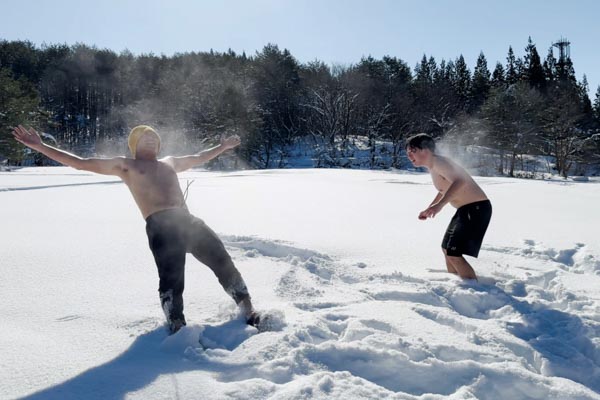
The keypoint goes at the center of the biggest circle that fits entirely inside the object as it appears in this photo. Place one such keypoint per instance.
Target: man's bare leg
(462, 267)
(449, 265)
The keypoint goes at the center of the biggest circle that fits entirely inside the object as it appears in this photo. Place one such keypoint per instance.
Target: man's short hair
(420, 141)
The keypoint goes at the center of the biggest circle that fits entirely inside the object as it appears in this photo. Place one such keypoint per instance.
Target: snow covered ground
(369, 312)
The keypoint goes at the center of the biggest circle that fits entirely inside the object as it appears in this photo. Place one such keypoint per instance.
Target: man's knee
(456, 259)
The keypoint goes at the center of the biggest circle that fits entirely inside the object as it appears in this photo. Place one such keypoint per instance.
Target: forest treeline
(86, 99)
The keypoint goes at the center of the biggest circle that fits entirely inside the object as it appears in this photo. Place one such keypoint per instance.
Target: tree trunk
(501, 165)
(512, 164)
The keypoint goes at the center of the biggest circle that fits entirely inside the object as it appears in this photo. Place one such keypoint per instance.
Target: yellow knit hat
(136, 134)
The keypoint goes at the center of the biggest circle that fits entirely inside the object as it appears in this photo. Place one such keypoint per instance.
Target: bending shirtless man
(172, 231)
(455, 186)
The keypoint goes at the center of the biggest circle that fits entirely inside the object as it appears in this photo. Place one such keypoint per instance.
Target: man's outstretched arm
(31, 139)
(186, 162)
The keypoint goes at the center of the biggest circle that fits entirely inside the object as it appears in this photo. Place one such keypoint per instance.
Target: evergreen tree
(18, 105)
(397, 72)
(22, 59)
(440, 72)
(511, 67)
(481, 82)
(597, 104)
(498, 78)
(584, 89)
(462, 81)
(437, 115)
(550, 67)
(532, 67)
(565, 72)
(450, 71)
(423, 72)
(277, 92)
(433, 68)
(520, 68)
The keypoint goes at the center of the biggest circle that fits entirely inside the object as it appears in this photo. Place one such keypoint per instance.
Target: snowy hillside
(369, 312)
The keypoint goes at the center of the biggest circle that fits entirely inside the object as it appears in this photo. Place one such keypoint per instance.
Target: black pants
(171, 234)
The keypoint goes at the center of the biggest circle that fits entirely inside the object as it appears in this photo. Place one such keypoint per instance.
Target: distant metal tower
(564, 49)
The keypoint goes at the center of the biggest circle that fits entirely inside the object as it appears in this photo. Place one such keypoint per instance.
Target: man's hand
(29, 138)
(430, 212)
(230, 142)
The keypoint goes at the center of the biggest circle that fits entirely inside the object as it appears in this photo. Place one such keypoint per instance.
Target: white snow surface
(366, 309)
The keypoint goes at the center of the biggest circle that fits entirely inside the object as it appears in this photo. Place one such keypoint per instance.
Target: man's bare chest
(440, 183)
(149, 176)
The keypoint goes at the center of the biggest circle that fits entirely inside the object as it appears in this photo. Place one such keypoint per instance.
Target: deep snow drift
(369, 311)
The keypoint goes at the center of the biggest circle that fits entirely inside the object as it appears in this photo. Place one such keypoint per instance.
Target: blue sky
(335, 31)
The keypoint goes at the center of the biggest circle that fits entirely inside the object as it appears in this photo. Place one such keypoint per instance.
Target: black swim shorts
(467, 228)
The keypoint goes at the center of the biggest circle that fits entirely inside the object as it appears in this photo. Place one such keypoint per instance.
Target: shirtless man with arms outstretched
(172, 231)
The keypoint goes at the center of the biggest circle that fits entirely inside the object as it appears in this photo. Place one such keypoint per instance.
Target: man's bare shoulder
(169, 160)
(104, 166)
(447, 168)
(137, 161)
(441, 163)
(128, 163)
